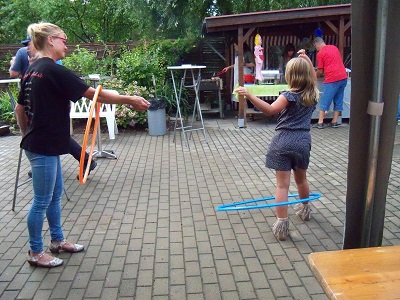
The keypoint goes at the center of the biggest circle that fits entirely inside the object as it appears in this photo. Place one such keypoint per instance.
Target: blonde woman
(43, 117)
(290, 147)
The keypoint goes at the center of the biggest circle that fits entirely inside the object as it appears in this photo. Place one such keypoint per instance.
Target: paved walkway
(151, 231)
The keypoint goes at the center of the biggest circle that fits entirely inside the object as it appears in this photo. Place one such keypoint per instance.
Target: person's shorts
(289, 150)
(333, 91)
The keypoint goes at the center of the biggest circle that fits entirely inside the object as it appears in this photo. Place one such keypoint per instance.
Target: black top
(295, 116)
(46, 90)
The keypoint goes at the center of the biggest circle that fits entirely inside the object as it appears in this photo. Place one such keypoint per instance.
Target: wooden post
(242, 101)
(341, 37)
(364, 24)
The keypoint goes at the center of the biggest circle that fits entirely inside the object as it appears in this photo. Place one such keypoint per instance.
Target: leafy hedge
(132, 71)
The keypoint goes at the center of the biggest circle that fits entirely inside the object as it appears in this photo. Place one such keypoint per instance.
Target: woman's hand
(303, 55)
(241, 90)
(139, 103)
(301, 52)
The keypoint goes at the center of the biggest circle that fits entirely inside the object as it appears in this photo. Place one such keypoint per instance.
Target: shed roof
(277, 18)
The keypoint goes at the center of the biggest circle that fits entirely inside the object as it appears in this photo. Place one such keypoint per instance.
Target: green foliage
(82, 61)
(85, 62)
(5, 62)
(149, 59)
(6, 111)
(15, 17)
(125, 115)
(87, 21)
(152, 59)
(107, 65)
(91, 21)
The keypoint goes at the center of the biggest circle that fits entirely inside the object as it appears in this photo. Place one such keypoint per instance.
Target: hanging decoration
(318, 32)
(258, 56)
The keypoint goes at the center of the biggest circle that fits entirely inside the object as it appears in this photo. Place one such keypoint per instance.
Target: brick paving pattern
(150, 227)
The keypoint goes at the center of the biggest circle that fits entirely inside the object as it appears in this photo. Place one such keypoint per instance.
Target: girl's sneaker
(303, 210)
(281, 229)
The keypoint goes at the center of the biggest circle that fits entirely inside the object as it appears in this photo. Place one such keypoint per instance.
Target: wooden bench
(366, 273)
(81, 109)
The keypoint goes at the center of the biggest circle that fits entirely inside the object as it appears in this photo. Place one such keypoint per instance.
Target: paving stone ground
(150, 227)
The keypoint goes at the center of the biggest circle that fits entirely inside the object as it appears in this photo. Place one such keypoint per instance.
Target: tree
(92, 20)
(127, 20)
(15, 17)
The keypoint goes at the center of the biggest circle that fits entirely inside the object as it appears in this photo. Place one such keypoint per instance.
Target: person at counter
(248, 65)
(288, 53)
(330, 64)
(248, 60)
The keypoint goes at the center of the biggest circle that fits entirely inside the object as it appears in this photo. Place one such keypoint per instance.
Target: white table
(195, 84)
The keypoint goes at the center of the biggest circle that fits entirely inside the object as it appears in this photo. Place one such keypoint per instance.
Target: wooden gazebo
(300, 23)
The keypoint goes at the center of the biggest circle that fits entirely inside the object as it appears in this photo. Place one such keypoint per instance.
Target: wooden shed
(277, 28)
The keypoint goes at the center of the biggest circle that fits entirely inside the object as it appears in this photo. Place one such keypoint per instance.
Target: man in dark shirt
(20, 62)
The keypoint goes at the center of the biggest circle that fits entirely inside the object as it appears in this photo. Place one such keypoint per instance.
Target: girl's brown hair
(300, 78)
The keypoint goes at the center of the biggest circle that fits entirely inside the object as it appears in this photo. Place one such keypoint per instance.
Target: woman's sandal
(56, 247)
(43, 260)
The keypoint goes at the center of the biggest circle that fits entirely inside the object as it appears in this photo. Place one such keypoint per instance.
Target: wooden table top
(265, 90)
(366, 273)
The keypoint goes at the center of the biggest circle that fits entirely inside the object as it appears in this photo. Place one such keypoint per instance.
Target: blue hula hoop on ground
(243, 205)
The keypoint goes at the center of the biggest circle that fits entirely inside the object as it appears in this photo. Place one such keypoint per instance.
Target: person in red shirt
(330, 64)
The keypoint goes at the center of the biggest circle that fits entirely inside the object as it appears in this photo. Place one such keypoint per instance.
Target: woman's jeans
(47, 189)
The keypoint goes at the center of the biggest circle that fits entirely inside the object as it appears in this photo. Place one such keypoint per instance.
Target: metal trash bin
(156, 116)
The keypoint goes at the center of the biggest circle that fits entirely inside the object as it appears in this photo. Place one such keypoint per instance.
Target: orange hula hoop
(95, 107)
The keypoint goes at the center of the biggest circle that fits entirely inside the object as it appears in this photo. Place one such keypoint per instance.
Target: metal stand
(197, 110)
(100, 153)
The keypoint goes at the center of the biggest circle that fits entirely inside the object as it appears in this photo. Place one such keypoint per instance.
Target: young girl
(291, 145)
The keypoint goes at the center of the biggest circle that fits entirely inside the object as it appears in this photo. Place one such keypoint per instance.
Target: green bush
(152, 59)
(148, 59)
(7, 115)
(107, 63)
(5, 62)
(125, 115)
(83, 62)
